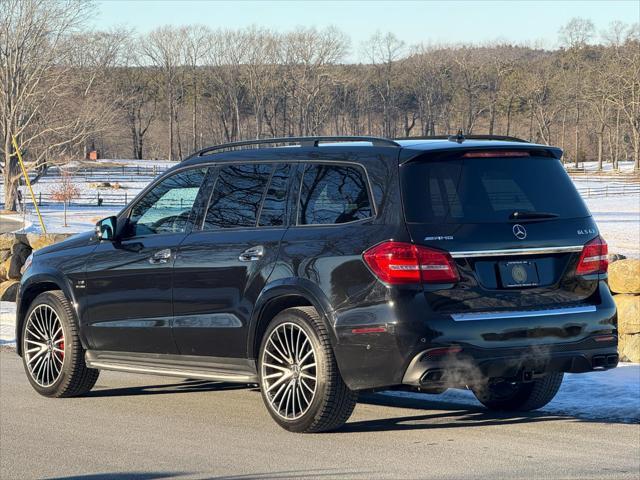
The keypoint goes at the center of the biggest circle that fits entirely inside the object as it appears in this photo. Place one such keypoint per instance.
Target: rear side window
(237, 195)
(487, 190)
(274, 207)
(333, 194)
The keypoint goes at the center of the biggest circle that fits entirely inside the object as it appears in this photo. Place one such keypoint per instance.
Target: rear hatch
(513, 223)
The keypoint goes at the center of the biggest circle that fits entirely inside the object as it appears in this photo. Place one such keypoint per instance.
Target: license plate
(518, 274)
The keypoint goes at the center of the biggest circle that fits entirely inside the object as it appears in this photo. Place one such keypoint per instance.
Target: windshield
(488, 190)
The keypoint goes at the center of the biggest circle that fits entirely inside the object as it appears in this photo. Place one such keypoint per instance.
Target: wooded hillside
(177, 89)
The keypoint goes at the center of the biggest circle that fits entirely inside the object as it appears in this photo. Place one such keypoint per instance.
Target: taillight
(400, 263)
(593, 258)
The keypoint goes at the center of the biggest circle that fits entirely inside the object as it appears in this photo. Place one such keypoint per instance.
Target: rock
(628, 313)
(629, 348)
(9, 290)
(6, 240)
(5, 267)
(21, 250)
(13, 265)
(624, 276)
(38, 241)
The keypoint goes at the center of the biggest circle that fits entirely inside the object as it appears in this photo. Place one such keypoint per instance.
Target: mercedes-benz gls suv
(324, 266)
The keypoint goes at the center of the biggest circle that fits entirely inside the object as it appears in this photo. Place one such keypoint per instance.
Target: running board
(202, 368)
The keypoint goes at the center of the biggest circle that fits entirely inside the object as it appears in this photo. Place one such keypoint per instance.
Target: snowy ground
(613, 395)
(618, 220)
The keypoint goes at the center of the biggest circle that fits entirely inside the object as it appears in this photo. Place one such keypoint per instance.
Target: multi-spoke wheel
(44, 342)
(289, 371)
(300, 381)
(518, 396)
(52, 354)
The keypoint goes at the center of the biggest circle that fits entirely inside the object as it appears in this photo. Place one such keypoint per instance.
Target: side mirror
(106, 228)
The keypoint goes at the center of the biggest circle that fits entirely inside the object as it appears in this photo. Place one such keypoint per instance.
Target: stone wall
(624, 282)
(14, 250)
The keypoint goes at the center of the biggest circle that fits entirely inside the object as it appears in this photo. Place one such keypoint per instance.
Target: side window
(237, 196)
(333, 194)
(274, 207)
(166, 208)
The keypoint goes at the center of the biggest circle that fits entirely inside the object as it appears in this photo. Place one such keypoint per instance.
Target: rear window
(487, 190)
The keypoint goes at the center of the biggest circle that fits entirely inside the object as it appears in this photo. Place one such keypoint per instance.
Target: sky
(533, 23)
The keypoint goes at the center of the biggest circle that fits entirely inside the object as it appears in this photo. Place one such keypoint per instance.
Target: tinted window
(333, 194)
(275, 201)
(237, 195)
(166, 208)
(485, 190)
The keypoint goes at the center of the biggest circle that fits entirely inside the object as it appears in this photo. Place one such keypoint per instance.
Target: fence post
(125, 198)
(39, 199)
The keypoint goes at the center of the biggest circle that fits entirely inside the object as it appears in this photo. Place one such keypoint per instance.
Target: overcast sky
(534, 23)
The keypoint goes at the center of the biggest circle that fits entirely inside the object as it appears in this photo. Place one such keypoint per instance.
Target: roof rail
(459, 138)
(302, 141)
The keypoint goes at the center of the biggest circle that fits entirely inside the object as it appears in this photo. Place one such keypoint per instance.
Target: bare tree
(163, 47)
(383, 51)
(45, 102)
(65, 191)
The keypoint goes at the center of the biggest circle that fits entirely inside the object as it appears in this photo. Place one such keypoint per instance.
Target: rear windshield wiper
(530, 215)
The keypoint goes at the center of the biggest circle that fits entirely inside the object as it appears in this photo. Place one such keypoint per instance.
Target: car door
(222, 266)
(129, 280)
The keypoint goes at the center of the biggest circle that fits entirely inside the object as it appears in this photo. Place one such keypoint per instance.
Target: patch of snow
(79, 218)
(8, 324)
(624, 166)
(618, 219)
(612, 395)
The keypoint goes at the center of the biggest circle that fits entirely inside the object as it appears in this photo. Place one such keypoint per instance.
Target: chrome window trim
(516, 251)
(468, 317)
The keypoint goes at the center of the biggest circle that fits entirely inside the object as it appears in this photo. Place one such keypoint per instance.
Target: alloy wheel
(289, 372)
(44, 345)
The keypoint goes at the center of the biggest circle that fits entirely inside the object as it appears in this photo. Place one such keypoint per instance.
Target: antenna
(458, 138)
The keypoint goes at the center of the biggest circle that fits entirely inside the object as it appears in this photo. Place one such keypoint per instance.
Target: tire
(505, 396)
(322, 405)
(50, 334)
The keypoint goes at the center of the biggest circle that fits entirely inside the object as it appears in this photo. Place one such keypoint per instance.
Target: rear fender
(300, 292)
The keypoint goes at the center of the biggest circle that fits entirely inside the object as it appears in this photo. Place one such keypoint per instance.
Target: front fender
(32, 284)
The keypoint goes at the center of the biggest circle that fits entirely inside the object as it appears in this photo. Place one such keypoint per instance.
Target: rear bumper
(392, 351)
(473, 366)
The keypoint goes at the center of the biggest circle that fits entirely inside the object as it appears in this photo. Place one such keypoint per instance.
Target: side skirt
(235, 370)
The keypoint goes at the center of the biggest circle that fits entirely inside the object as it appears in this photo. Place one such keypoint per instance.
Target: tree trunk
(10, 176)
(577, 137)
(600, 135)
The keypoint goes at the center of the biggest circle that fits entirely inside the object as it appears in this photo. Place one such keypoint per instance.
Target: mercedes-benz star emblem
(519, 231)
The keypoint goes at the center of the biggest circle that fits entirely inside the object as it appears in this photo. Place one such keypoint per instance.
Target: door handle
(161, 256)
(252, 254)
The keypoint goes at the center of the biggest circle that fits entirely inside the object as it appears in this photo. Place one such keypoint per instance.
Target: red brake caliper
(61, 347)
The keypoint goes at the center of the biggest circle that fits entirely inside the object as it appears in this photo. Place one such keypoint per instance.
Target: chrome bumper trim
(468, 317)
(516, 251)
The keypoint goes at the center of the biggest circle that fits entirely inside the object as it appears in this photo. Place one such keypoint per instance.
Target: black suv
(325, 266)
